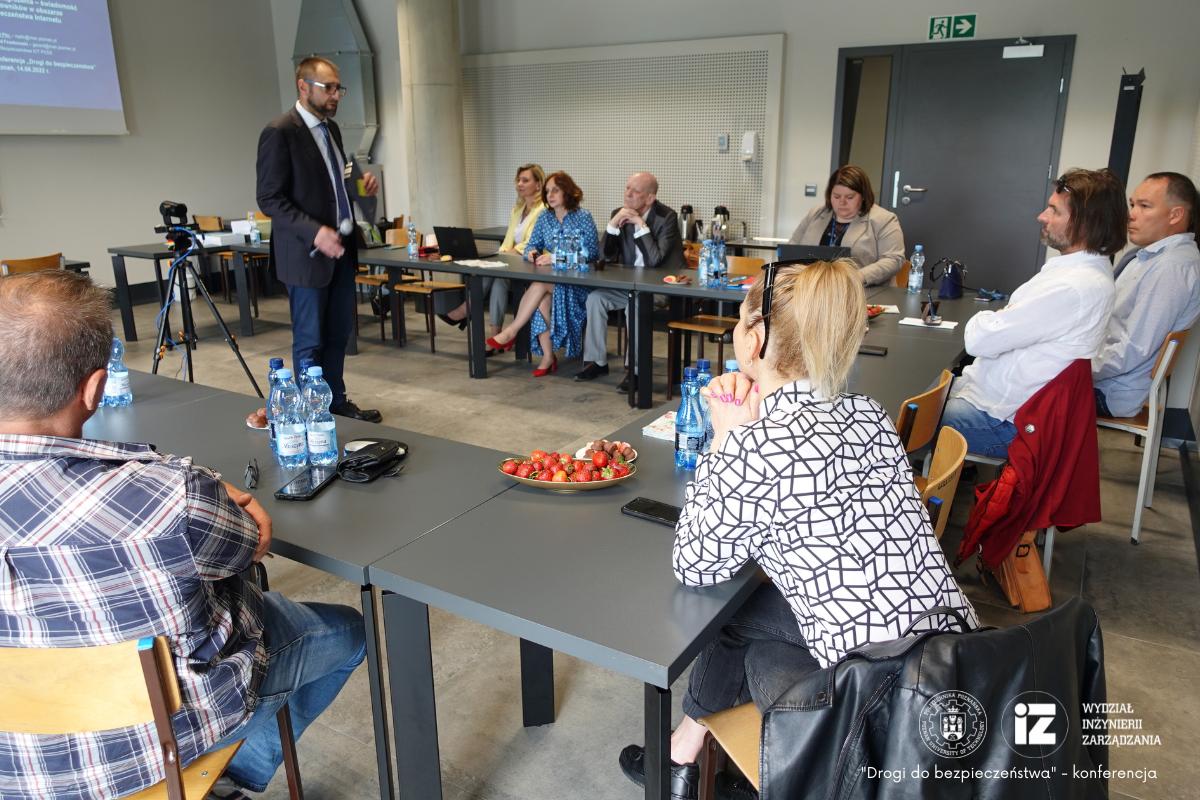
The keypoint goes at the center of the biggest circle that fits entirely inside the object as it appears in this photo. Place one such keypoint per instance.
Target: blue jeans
(312, 648)
(985, 435)
(758, 655)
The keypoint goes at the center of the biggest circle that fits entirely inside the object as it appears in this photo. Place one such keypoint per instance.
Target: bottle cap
(275, 363)
(920, 248)
(315, 372)
(703, 365)
(284, 372)
(689, 373)
(731, 365)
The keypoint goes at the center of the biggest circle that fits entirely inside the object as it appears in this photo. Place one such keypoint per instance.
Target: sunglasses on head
(1061, 186)
(771, 270)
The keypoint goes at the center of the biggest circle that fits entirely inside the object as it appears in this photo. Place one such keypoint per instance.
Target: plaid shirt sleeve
(222, 535)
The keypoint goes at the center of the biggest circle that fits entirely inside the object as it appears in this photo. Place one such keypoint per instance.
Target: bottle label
(684, 441)
(290, 442)
(117, 384)
(319, 442)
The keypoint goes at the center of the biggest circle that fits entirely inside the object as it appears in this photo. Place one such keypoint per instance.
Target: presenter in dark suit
(642, 233)
(301, 187)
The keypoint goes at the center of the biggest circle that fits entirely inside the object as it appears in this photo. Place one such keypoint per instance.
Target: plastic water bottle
(273, 367)
(255, 233)
(572, 252)
(689, 423)
(582, 259)
(302, 375)
(321, 427)
(719, 272)
(704, 267)
(291, 443)
(414, 248)
(916, 275)
(560, 253)
(703, 376)
(731, 365)
(116, 388)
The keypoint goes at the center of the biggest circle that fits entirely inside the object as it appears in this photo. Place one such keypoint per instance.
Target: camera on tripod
(174, 217)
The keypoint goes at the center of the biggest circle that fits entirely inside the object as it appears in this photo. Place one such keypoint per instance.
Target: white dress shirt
(638, 259)
(820, 494)
(1055, 317)
(333, 162)
(1157, 293)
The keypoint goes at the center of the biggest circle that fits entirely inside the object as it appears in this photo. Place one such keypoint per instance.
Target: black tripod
(187, 243)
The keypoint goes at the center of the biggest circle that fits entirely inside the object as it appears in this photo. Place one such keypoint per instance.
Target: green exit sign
(958, 26)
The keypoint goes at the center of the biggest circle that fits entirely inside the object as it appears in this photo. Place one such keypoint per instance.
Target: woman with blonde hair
(811, 483)
(521, 221)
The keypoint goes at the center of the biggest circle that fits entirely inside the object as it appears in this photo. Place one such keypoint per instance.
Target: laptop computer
(458, 243)
(809, 253)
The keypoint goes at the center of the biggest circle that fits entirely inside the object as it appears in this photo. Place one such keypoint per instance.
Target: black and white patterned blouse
(820, 494)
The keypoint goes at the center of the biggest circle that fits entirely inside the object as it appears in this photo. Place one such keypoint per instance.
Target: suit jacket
(294, 190)
(875, 240)
(661, 247)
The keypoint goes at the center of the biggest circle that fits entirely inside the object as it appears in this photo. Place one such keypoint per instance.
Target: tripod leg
(164, 321)
(229, 339)
(189, 324)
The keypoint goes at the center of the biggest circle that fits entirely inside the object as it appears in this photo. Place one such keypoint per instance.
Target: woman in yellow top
(525, 212)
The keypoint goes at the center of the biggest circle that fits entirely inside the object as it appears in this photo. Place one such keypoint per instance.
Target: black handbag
(380, 458)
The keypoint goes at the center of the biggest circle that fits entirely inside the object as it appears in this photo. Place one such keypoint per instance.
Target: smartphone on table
(652, 510)
(307, 484)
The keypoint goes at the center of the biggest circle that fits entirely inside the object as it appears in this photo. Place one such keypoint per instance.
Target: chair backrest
(744, 265)
(207, 223)
(948, 456)
(902, 275)
(920, 415)
(261, 217)
(1164, 365)
(18, 266)
(58, 690)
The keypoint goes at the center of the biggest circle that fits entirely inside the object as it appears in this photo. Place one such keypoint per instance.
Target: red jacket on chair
(1052, 476)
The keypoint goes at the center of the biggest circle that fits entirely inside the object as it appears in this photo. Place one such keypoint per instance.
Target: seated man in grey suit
(642, 233)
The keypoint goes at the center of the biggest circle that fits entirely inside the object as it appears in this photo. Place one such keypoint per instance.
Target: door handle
(908, 188)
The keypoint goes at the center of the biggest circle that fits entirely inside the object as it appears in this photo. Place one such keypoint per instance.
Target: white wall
(198, 82)
(1111, 34)
(378, 18)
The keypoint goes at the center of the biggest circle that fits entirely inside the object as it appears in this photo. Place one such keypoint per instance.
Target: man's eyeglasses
(330, 88)
(771, 271)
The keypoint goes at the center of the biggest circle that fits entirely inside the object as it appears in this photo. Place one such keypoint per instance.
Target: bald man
(641, 233)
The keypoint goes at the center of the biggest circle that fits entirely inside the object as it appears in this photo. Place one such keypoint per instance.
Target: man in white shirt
(1158, 291)
(1055, 317)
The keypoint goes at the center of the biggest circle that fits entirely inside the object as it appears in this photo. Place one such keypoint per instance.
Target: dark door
(973, 140)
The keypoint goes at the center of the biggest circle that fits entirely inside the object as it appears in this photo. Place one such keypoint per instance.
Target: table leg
(521, 352)
(397, 309)
(241, 275)
(476, 347)
(124, 301)
(643, 332)
(414, 709)
(537, 684)
(383, 760)
(658, 743)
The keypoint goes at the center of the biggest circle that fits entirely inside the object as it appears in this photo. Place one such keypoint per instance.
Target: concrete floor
(1146, 596)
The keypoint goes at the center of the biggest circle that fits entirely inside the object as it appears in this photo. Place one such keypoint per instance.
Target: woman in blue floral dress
(563, 306)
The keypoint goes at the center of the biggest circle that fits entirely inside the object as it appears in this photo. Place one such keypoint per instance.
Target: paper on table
(916, 322)
(661, 428)
(769, 239)
(479, 262)
(890, 309)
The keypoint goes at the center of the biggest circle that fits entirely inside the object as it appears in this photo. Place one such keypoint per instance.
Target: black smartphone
(307, 484)
(653, 510)
(872, 350)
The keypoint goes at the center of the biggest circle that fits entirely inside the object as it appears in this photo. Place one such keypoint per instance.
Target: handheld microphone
(344, 228)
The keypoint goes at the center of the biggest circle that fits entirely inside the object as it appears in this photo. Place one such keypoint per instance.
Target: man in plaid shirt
(103, 542)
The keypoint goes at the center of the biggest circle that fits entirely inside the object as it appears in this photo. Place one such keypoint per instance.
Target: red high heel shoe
(503, 348)
(538, 373)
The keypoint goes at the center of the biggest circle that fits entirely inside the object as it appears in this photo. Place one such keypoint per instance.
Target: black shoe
(348, 409)
(380, 308)
(623, 386)
(591, 372)
(461, 323)
(730, 788)
(685, 778)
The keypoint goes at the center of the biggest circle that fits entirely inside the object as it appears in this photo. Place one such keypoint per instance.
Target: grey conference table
(156, 252)
(348, 526)
(595, 584)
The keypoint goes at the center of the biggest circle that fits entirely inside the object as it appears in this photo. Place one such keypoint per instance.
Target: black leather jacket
(865, 728)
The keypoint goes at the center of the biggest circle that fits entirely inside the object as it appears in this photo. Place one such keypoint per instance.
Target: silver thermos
(720, 223)
(687, 221)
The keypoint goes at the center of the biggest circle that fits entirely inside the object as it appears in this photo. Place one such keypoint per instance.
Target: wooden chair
(732, 734)
(937, 491)
(707, 325)
(1148, 425)
(19, 266)
(58, 690)
(920, 415)
(901, 279)
(376, 282)
(427, 290)
(214, 224)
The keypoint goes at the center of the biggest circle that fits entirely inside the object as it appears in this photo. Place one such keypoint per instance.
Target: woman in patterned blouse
(556, 313)
(812, 484)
